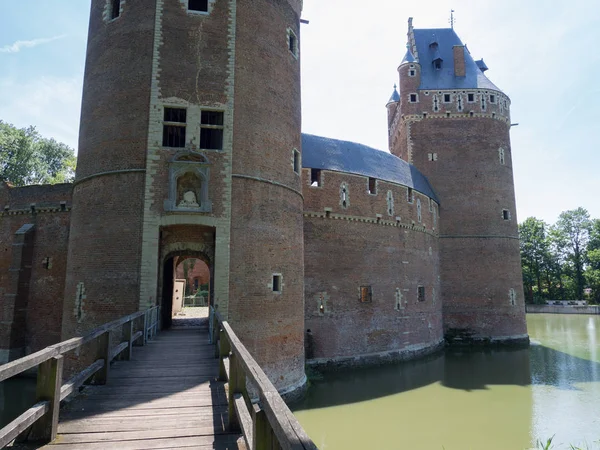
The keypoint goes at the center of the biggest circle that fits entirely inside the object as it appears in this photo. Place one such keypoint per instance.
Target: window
(115, 9)
(430, 205)
(198, 5)
(292, 42)
(492, 98)
(437, 64)
(296, 161)
(421, 293)
(174, 127)
(344, 200)
(409, 195)
(512, 297)
(277, 282)
(432, 156)
(366, 294)
(419, 216)
(501, 155)
(447, 98)
(211, 130)
(390, 203)
(315, 177)
(471, 98)
(411, 72)
(506, 214)
(372, 186)
(413, 98)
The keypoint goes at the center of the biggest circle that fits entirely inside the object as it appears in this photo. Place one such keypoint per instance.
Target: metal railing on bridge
(268, 424)
(136, 329)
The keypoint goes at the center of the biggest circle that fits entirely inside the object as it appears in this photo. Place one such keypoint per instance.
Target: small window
(366, 294)
(174, 127)
(421, 293)
(447, 98)
(471, 98)
(344, 197)
(501, 155)
(506, 214)
(430, 205)
(276, 282)
(115, 9)
(211, 130)
(315, 177)
(413, 98)
(296, 161)
(292, 42)
(512, 297)
(372, 186)
(409, 195)
(411, 73)
(492, 98)
(432, 156)
(198, 5)
(390, 203)
(437, 64)
(419, 215)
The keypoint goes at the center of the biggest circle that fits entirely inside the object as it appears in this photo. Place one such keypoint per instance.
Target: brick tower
(190, 146)
(453, 124)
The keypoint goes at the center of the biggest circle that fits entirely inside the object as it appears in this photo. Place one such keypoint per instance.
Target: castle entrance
(186, 287)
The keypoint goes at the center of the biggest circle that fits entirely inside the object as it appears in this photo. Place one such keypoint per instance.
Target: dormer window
(437, 63)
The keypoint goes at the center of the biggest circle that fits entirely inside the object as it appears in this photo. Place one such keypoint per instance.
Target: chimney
(459, 60)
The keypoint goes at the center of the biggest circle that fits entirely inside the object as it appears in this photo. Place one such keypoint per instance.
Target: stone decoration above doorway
(188, 183)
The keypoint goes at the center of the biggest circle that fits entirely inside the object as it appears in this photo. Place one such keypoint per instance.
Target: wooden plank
(244, 419)
(134, 413)
(97, 433)
(136, 336)
(103, 352)
(49, 381)
(17, 366)
(116, 351)
(21, 423)
(70, 386)
(226, 442)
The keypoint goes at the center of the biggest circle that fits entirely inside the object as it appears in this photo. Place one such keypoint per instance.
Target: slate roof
(408, 57)
(444, 78)
(395, 96)
(349, 157)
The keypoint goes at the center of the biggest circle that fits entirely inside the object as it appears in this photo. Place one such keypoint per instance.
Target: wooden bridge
(173, 390)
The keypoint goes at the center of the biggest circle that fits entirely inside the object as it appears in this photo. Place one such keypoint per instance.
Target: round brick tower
(104, 259)
(453, 124)
(190, 146)
(266, 302)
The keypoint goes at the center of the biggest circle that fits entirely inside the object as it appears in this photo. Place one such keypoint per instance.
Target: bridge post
(237, 385)
(223, 349)
(49, 382)
(145, 339)
(103, 352)
(127, 336)
(263, 433)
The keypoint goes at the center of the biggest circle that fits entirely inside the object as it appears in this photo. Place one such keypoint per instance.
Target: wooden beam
(245, 420)
(103, 352)
(116, 351)
(70, 386)
(21, 423)
(49, 381)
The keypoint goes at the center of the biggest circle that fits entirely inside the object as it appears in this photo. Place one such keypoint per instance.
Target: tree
(534, 248)
(28, 158)
(573, 232)
(592, 273)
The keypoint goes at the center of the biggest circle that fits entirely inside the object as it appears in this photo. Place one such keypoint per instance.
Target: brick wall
(363, 245)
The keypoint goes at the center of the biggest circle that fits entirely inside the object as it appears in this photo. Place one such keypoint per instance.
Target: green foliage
(561, 260)
(28, 158)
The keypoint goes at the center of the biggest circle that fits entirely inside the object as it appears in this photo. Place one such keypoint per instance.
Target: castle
(320, 251)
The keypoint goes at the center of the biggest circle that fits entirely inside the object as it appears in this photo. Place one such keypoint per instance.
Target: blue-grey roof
(481, 65)
(408, 57)
(444, 78)
(395, 96)
(349, 157)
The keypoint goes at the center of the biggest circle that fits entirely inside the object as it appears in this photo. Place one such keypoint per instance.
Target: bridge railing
(268, 425)
(136, 329)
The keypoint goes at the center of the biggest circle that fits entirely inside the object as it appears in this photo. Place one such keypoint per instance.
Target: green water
(488, 400)
(16, 396)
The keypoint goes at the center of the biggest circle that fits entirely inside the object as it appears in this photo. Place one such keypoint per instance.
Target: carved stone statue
(189, 200)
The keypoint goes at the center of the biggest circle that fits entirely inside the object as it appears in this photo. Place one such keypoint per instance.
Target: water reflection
(487, 399)
(16, 396)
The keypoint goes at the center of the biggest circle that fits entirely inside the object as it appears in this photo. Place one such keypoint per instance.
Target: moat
(490, 400)
(500, 400)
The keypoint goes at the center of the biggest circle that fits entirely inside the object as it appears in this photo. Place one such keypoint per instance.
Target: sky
(541, 53)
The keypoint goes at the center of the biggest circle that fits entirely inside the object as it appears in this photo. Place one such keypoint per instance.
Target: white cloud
(17, 46)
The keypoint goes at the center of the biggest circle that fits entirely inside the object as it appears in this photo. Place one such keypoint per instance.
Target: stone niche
(188, 183)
